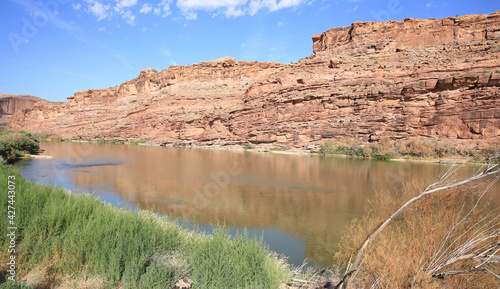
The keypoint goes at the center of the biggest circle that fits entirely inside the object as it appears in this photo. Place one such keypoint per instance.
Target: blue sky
(53, 48)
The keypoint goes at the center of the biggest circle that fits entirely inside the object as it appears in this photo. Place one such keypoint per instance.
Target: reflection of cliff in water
(311, 197)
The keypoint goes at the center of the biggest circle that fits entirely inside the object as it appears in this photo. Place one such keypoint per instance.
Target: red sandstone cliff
(425, 79)
(12, 103)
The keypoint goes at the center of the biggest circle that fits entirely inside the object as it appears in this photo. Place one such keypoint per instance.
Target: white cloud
(234, 12)
(125, 4)
(128, 17)
(146, 8)
(208, 5)
(123, 7)
(190, 15)
(274, 5)
(163, 8)
(99, 10)
(235, 8)
(127, 9)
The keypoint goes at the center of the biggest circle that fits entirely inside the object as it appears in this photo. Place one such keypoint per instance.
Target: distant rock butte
(12, 103)
(415, 79)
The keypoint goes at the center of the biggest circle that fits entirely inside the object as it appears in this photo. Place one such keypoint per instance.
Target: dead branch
(473, 269)
(444, 183)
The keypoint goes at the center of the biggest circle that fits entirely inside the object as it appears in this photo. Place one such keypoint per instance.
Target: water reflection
(303, 203)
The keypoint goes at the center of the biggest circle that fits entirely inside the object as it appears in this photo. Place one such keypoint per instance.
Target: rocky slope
(415, 79)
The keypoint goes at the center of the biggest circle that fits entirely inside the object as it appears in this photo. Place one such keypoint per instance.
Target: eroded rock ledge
(415, 79)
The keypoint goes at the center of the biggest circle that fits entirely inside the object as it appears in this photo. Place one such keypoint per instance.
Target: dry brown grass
(401, 254)
(82, 282)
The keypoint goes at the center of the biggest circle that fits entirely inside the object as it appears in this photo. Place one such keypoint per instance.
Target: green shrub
(138, 142)
(15, 144)
(346, 147)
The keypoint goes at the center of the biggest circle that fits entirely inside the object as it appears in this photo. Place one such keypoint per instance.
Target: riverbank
(66, 238)
(385, 149)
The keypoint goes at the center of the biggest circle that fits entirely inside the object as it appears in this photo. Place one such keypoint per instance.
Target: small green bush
(15, 144)
(248, 146)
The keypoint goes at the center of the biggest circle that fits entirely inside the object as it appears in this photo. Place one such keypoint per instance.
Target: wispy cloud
(102, 10)
(163, 8)
(189, 9)
(353, 9)
(273, 5)
(146, 8)
(208, 5)
(99, 10)
(235, 8)
(120, 4)
(435, 4)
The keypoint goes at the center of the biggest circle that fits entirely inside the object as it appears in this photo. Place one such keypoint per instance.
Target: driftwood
(444, 183)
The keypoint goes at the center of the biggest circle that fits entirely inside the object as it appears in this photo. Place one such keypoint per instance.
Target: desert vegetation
(445, 235)
(409, 149)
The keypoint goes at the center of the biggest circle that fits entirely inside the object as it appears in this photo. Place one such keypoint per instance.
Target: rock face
(415, 79)
(11, 103)
(371, 37)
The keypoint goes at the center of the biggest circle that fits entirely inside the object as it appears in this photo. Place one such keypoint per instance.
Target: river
(302, 204)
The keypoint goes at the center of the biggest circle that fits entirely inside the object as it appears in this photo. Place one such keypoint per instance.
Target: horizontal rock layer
(448, 89)
(371, 37)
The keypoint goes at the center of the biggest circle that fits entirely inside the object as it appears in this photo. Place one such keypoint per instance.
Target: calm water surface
(302, 204)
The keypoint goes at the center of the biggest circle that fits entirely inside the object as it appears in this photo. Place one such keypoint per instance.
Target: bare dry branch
(447, 181)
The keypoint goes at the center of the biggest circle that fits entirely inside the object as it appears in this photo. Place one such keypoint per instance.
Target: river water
(302, 204)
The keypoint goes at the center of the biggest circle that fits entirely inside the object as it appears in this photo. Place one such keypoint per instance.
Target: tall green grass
(79, 234)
